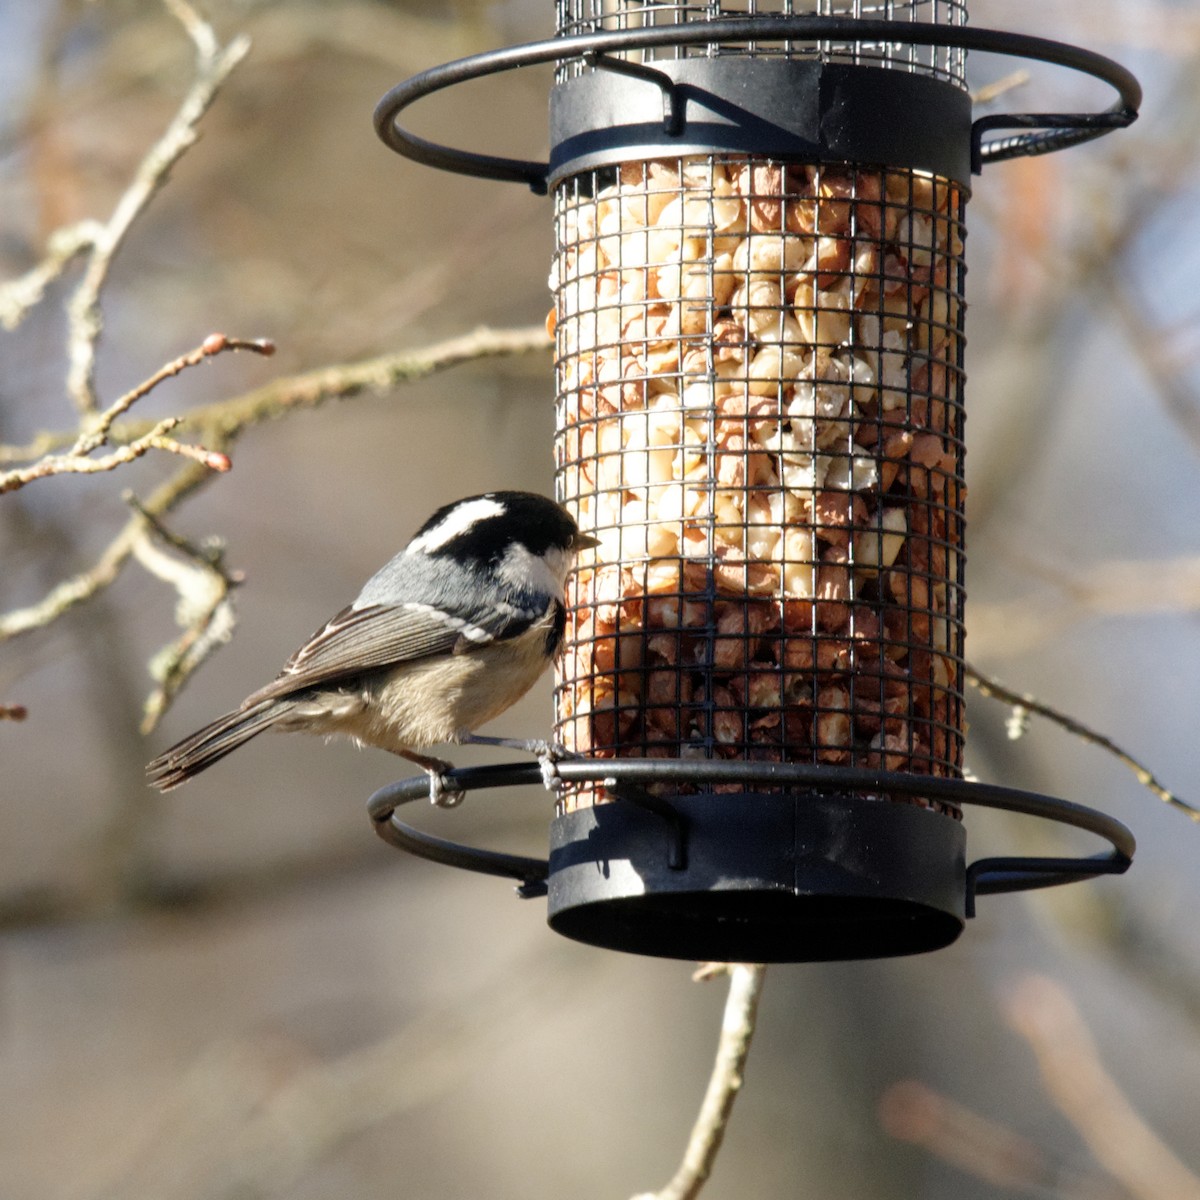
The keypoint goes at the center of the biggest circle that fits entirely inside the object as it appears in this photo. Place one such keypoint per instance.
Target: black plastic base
(759, 878)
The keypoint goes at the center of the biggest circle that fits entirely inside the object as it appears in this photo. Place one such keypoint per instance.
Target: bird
(447, 635)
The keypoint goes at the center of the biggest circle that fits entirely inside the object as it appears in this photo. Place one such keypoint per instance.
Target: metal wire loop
(1041, 134)
(985, 876)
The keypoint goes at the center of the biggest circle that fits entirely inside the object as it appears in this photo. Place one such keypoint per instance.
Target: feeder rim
(624, 778)
(1042, 132)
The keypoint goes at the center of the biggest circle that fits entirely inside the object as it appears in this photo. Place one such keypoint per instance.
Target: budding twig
(96, 431)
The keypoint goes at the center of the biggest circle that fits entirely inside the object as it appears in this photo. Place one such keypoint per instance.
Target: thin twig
(204, 609)
(996, 89)
(373, 376)
(737, 1029)
(19, 295)
(1024, 704)
(155, 439)
(84, 315)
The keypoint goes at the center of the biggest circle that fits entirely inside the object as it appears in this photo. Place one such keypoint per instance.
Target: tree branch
(737, 1029)
(1023, 704)
(1075, 1079)
(84, 316)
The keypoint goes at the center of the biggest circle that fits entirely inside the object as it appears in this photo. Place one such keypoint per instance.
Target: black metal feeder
(758, 285)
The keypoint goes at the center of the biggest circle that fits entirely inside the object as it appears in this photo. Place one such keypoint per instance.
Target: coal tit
(450, 633)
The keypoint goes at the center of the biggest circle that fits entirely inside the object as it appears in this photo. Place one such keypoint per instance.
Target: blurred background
(237, 990)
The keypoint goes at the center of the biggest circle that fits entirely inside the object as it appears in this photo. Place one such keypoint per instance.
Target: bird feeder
(758, 323)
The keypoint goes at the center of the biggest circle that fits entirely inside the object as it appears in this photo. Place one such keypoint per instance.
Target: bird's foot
(442, 792)
(548, 754)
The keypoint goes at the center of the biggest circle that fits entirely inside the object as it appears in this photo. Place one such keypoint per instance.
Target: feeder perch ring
(1038, 133)
(625, 780)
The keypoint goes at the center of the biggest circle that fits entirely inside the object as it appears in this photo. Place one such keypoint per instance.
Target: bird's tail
(217, 739)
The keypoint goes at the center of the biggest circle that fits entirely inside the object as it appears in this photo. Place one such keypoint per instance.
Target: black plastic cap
(801, 110)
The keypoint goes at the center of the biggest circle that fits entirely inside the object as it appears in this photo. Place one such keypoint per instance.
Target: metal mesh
(760, 416)
(591, 16)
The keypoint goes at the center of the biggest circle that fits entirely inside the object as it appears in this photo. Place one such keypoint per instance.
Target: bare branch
(1075, 1079)
(204, 608)
(1000, 87)
(737, 1029)
(85, 319)
(224, 420)
(19, 295)
(155, 439)
(373, 376)
(71, 592)
(1024, 704)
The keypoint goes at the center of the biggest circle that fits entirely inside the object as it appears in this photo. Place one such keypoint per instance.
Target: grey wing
(382, 635)
(363, 639)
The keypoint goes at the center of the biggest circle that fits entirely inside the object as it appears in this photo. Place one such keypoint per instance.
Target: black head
(482, 528)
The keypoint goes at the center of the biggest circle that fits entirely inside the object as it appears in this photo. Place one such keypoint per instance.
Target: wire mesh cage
(942, 62)
(760, 417)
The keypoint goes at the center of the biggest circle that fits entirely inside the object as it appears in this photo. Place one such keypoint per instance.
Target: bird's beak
(584, 541)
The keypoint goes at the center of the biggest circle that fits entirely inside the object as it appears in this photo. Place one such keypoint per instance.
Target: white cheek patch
(457, 521)
(525, 570)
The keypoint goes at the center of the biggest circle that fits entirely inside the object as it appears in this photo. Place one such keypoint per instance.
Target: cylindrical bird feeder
(758, 325)
(760, 416)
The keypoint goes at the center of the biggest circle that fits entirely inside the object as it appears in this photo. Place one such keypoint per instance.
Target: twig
(999, 87)
(1024, 704)
(374, 376)
(84, 316)
(13, 712)
(737, 1029)
(70, 592)
(1044, 1014)
(155, 439)
(95, 432)
(19, 295)
(915, 1113)
(205, 608)
(225, 420)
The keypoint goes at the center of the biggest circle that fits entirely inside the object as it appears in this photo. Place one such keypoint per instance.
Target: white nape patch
(472, 633)
(545, 574)
(457, 520)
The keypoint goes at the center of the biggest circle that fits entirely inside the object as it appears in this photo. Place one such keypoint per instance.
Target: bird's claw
(549, 755)
(442, 792)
